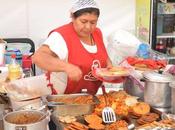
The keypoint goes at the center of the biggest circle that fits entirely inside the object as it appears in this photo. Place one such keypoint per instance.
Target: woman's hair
(86, 10)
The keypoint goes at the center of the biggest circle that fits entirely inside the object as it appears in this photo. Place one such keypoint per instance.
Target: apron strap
(48, 74)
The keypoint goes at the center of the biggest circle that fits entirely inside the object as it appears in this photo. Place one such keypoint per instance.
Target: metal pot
(134, 87)
(172, 85)
(11, 120)
(157, 91)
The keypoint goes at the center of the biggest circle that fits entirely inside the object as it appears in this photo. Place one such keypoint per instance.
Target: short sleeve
(57, 44)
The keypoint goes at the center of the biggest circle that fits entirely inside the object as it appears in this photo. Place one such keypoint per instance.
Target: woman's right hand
(73, 72)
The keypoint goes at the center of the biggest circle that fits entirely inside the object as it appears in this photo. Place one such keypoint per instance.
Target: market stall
(84, 111)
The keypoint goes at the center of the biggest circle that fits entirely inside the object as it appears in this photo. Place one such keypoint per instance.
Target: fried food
(114, 71)
(131, 101)
(67, 119)
(122, 128)
(118, 94)
(168, 121)
(77, 126)
(141, 108)
(161, 124)
(141, 67)
(98, 109)
(122, 110)
(148, 118)
(24, 118)
(120, 124)
(97, 126)
(93, 119)
(116, 100)
(134, 115)
(74, 100)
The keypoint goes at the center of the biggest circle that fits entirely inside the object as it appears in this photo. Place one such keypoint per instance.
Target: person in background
(73, 50)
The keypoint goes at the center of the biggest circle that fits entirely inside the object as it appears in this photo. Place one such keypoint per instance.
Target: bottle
(27, 72)
(14, 69)
(172, 50)
(26, 66)
(168, 45)
(157, 45)
(161, 46)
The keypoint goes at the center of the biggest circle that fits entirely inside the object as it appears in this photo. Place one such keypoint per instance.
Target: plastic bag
(170, 69)
(121, 45)
(135, 75)
(143, 51)
(27, 88)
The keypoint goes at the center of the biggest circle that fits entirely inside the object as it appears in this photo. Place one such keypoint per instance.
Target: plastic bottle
(26, 65)
(27, 72)
(161, 46)
(14, 69)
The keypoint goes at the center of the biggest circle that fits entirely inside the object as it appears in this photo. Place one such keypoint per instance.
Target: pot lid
(158, 77)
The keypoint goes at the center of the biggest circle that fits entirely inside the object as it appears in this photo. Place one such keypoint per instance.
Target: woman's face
(85, 24)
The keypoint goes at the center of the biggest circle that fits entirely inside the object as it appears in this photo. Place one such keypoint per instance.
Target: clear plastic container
(24, 47)
(14, 69)
(161, 56)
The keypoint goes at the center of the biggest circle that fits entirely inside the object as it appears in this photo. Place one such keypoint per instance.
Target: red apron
(79, 56)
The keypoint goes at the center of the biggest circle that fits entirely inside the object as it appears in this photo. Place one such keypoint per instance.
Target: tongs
(108, 114)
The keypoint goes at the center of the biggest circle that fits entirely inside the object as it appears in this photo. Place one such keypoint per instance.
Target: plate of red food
(113, 75)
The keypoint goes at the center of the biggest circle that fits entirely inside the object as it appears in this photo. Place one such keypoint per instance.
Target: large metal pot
(172, 85)
(134, 87)
(15, 121)
(157, 91)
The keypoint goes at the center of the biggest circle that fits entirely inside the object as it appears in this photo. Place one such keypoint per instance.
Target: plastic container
(161, 56)
(24, 47)
(14, 69)
(8, 54)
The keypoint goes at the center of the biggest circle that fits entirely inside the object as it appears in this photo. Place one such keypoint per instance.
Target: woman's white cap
(82, 4)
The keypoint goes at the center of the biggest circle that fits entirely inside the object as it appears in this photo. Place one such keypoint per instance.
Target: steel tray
(62, 109)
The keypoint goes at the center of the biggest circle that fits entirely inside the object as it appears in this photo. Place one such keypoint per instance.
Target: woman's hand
(73, 72)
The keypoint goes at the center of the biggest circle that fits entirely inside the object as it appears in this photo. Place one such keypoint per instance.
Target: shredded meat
(24, 118)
